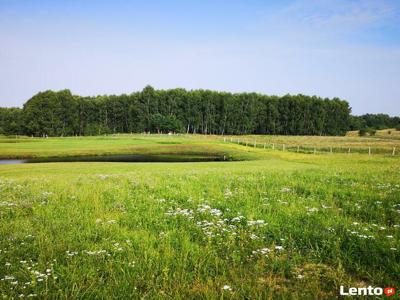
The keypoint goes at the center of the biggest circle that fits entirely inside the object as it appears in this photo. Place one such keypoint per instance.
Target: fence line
(312, 149)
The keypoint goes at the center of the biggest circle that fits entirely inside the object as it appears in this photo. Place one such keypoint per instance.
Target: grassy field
(381, 143)
(26, 147)
(276, 224)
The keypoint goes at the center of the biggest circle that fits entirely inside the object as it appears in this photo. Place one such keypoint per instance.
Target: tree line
(374, 122)
(60, 113)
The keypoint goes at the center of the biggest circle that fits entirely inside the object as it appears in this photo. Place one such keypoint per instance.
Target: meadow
(265, 224)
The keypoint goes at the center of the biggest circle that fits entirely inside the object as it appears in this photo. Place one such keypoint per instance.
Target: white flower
(237, 219)
(255, 222)
(227, 288)
(228, 193)
(312, 209)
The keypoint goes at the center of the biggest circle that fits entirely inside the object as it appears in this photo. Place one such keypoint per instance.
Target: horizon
(344, 49)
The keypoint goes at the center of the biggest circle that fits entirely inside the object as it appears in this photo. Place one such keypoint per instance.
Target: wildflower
(98, 252)
(228, 193)
(312, 209)
(226, 288)
(237, 219)
(253, 236)
(263, 251)
(131, 264)
(256, 222)
(71, 253)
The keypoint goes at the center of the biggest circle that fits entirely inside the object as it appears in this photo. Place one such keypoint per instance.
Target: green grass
(185, 230)
(15, 148)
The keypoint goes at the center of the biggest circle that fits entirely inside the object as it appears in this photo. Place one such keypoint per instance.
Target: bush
(362, 132)
(165, 124)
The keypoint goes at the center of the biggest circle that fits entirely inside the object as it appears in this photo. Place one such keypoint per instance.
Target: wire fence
(312, 149)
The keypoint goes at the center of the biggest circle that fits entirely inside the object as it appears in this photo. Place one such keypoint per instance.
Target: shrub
(362, 132)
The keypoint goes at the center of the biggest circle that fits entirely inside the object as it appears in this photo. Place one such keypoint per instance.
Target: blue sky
(330, 48)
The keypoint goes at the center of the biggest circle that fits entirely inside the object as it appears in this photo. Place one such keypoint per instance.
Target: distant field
(278, 224)
(390, 133)
(381, 143)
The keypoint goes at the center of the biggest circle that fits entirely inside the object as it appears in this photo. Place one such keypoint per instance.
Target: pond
(121, 158)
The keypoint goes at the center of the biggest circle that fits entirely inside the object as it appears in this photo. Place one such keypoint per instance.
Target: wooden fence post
(283, 147)
(369, 150)
(394, 151)
(298, 148)
(273, 146)
(349, 150)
